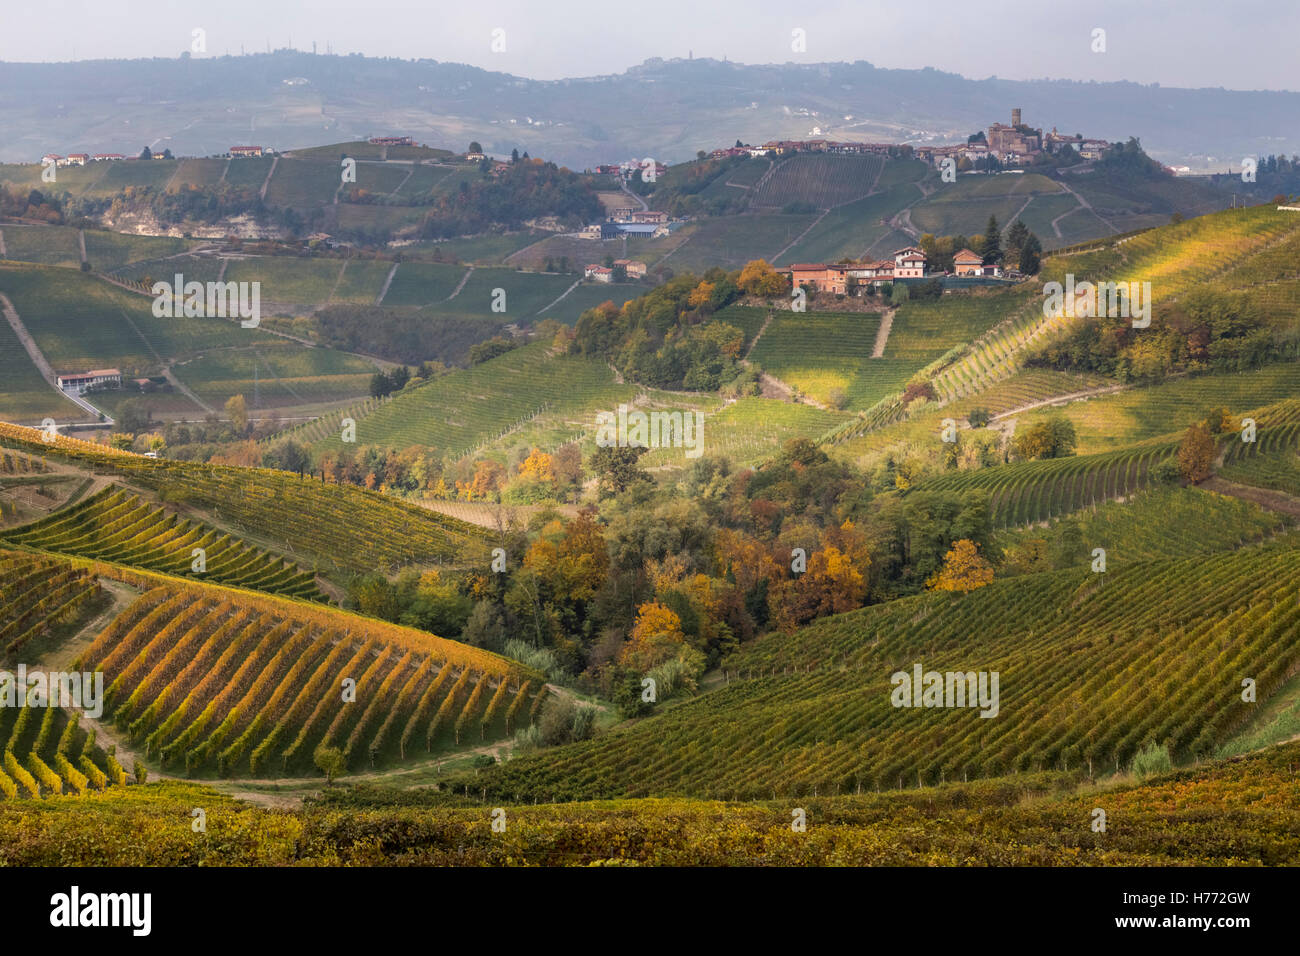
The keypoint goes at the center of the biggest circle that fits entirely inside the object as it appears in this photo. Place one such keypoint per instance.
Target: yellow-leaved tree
(964, 569)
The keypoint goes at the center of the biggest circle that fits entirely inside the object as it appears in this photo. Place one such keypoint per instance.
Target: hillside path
(1264, 497)
(623, 186)
(1058, 399)
(4, 253)
(81, 241)
(564, 294)
(882, 333)
(461, 284)
(388, 280)
(267, 182)
(1086, 205)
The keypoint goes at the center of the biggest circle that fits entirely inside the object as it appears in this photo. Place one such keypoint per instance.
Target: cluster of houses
(1013, 145)
(79, 159)
(630, 168)
(842, 278)
(631, 268)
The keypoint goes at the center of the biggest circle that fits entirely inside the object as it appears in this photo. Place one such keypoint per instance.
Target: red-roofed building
(909, 263)
(967, 263)
(245, 151)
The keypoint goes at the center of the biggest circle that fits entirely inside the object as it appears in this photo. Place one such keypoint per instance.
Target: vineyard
(1163, 523)
(207, 681)
(819, 180)
(822, 352)
(337, 526)
(467, 408)
(48, 753)
(38, 596)
(116, 525)
(1027, 491)
(1091, 671)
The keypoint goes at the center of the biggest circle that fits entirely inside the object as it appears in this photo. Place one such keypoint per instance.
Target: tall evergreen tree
(991, 249)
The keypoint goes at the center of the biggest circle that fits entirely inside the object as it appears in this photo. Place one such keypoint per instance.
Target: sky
(1235, 44)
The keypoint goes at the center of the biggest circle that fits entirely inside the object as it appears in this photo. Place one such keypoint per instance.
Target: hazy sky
(1237, 44)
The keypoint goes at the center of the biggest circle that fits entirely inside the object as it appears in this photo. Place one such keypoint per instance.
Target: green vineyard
(1037, 490)
(116, 525)
(1163, 522)
(210, 682)
(336, 526)
(1091, 671)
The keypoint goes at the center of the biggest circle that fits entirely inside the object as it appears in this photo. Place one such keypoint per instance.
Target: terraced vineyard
(1028, 491)
(338, 527)
(116, 525)
(1164, 522)
(208, 682)
(39, 594)
(1088, 675)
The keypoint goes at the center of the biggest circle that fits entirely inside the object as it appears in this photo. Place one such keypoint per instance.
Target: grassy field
(287, 282)
(732, 241)
(27, 397)
(47, 245)
(82, 323)
(286, 375)
(421, 283)
(526, 294)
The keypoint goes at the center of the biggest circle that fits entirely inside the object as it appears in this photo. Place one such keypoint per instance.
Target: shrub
(1151, 760)
(979, 417)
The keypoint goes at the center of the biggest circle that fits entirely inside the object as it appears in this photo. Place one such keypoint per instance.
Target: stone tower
(1015, 116)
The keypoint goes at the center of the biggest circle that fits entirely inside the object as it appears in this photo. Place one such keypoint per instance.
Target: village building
(391, 141)
(633, 268)
(78, 159)
(242, 152)
(967, 263)
(76, 383)
(598, 273)
(909, 263)
(108, 157)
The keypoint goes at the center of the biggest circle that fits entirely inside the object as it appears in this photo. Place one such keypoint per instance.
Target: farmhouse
(633, 268)
(599, 273)
(391, 141)
(78, 159)
(909, 263)
(967, 263)
(108, 157)
(239, 152)
(78, 382)
(51, 158)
